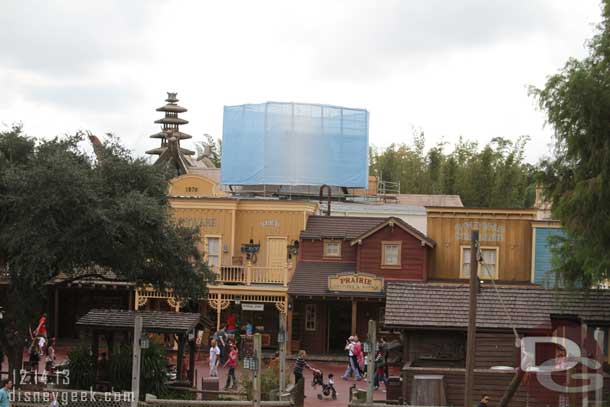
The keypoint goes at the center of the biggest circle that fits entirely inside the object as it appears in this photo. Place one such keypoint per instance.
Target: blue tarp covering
(295, 144)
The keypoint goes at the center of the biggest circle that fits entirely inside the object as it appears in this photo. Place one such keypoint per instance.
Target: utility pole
(282, 342)
(258, 349)
(472, 318)
(135, 368)
(370, 366)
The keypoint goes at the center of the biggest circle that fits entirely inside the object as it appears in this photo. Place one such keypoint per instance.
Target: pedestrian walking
(352, 361)
(380, 375)
(50, 359)
(41, 328)
(484, 401)
(299, 365)
(232, 363)
(359, 355)
(221, 341)
(5, 394)
(214, 358)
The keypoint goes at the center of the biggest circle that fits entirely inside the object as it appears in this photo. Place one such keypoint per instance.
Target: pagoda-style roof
(161, 150)
(171, 120)
(172, 108)
(170, 153)
(179, 134)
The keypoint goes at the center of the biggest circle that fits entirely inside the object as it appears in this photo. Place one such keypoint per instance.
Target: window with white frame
(213, 251)
(332, 248)
(310, 317)
(390, 254)
(488, 269)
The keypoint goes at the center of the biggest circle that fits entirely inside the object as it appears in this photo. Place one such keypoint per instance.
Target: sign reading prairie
(359, 282)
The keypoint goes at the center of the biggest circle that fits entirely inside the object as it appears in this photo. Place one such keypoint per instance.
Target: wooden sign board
(355, 282)
(252, 307)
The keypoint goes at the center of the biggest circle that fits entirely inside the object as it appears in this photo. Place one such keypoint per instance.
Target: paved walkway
(337, 369)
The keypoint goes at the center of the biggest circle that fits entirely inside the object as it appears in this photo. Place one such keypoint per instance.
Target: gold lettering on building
(198, 222)
(488, 232)
(359, 282)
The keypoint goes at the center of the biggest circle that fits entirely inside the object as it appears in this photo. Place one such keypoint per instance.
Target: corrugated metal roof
(376, 208)
(430, 200)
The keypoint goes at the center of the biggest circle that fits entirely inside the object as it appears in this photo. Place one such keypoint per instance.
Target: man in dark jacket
(484, 401)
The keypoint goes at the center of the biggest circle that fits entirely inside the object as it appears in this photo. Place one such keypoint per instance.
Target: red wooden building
(343, 268)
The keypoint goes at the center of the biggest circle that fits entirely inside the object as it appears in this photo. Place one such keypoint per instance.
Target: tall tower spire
(170, 135)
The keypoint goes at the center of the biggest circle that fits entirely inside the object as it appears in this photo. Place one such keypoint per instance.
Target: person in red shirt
(232, 363)
(41, 329)
(231, 323)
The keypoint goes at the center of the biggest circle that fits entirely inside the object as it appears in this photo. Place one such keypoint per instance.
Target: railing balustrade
(251, 274)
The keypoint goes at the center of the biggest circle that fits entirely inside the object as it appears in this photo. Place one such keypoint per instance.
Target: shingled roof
(153, 321)
(445, 305)
(311, 279)
(339, 227)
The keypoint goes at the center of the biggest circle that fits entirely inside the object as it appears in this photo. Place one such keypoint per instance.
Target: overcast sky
(449, 68)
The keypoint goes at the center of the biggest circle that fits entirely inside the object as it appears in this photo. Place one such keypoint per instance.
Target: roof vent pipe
(329, 197)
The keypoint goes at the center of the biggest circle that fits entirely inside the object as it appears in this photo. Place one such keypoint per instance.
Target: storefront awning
(311, 279)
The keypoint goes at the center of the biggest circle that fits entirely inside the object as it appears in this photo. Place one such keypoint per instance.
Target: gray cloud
(67, 39)
(91, 97)
(372, 41)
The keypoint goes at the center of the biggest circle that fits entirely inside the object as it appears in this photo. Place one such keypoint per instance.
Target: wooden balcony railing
(251, 275)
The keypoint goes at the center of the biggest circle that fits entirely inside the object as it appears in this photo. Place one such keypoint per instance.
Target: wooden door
(277, 251)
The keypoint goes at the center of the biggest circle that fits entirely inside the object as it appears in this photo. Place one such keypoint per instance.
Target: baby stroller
(318, 378)
(328, 389)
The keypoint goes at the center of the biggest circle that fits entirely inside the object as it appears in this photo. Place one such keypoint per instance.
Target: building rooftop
(411, 304)
(429, 200)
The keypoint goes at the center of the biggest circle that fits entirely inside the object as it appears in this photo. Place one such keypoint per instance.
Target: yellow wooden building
(251, 285)
(505, 236)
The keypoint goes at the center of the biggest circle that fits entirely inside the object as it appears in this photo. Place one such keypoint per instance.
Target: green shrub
(81, 366)
(270, 380)
(153, 369)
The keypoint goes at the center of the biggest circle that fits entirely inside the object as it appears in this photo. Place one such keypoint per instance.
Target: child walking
(232, 363)
(214, 358)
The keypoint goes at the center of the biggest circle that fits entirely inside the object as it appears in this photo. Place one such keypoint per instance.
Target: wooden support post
(95, 346)
(472, 319)
(584, 331)
(354, 317)
(135, 299)
(248, 272)
(110, 343)
(135, 369)
(512, 388)
(180, 356)
(599, 341)
(218, 310)
(191, 373)
(56, 313)
(370, 366)
(282, 344)
(258, 353)
(289, 349)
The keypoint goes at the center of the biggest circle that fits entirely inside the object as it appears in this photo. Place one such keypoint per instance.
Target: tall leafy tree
(61, 211)
(576, 101)
(494, 175)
